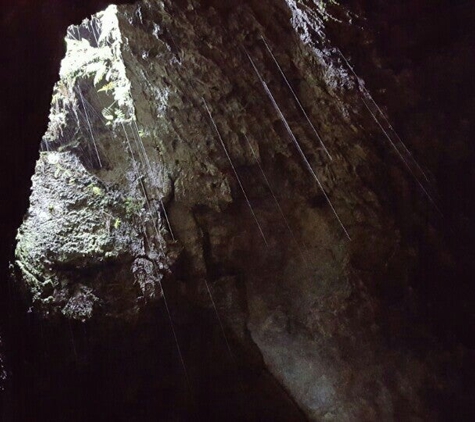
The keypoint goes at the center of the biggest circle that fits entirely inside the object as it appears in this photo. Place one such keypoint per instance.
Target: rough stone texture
(135, 198)
(3, 370)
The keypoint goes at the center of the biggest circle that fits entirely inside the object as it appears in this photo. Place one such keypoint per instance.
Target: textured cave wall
(96, 245)
(33, 33)
(415, 58)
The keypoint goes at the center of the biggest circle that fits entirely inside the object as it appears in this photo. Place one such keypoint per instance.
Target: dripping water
(393, 143)
(235, 172)
(277, 203)
(294, 139)
(90, 127)
(296, 99)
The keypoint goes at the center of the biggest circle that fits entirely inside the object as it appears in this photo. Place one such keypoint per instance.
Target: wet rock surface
(216, 199)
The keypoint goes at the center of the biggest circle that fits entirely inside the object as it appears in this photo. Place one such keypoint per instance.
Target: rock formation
(224, 167)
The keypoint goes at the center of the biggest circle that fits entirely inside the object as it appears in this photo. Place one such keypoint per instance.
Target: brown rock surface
(180, 173)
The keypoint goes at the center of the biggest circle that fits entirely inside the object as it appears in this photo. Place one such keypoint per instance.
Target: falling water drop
(297, 99)
(235, 172)
(294, 139)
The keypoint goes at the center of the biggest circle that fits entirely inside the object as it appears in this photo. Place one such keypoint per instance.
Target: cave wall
(302, 321)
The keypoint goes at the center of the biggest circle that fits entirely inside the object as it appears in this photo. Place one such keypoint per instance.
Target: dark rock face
(219, 197)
